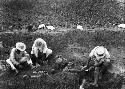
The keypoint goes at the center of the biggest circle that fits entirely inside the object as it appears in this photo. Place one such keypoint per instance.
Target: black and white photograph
(62, 44)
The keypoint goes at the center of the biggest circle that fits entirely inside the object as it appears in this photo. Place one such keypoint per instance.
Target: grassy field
(75, 45)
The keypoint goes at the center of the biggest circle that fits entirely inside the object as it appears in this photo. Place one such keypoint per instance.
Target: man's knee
(8, 61)
(11, 64)
(48, 52)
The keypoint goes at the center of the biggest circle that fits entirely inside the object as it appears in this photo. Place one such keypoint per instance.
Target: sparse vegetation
(64, 13)
(60, 44)
(74, 45)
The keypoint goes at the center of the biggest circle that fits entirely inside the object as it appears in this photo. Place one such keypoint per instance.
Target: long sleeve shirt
(15, 58)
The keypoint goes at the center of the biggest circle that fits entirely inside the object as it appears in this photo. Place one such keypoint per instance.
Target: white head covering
(40, 44)
(20, 46)
(100, 51)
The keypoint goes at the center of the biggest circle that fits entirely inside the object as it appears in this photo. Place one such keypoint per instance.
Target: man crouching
(19, 59)
(40, 52)
(101, 57)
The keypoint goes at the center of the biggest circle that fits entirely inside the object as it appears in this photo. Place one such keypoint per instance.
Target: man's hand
(108, 60)
(23, 59)
(98, 63)
(16, 63)
(83, 68)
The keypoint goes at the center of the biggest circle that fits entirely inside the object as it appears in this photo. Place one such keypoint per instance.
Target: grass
(74, 45)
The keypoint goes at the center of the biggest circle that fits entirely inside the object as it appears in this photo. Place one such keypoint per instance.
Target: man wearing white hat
(40, 52)
(101, 57)
(18, 57)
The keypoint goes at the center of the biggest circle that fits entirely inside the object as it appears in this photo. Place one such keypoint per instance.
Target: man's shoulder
(13, 49)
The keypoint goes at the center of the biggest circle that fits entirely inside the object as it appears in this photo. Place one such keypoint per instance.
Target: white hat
(100, 51)
(40, 43)
(20, 46)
